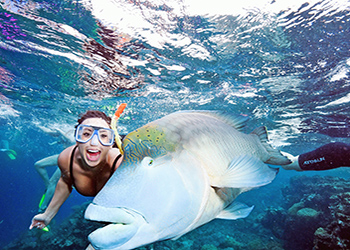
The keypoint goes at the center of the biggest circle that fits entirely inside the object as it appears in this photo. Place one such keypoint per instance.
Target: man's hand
(294, 165)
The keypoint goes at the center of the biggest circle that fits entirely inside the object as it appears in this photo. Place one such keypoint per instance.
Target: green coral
(293, 210)
(209, 247)
(232, 243)
(308, 213)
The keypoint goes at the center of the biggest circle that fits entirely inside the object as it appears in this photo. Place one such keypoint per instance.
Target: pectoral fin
(245, 172)
(235, 211)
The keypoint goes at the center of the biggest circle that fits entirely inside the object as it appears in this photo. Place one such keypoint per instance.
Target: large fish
(178, 173)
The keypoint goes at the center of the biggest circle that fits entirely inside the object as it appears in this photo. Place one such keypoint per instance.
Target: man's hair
(94, 114)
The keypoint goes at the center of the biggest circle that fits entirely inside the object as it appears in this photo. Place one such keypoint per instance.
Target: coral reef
(70, 234)
(217, 235)
(315, 214)
(336, 235)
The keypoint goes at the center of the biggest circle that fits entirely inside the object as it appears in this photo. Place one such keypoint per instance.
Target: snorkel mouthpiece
(114, 126)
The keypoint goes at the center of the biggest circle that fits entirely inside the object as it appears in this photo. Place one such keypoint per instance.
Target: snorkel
(114, 126)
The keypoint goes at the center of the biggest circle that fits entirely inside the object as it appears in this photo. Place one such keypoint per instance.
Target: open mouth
(109, 214)
(93, 154)
(120, 226)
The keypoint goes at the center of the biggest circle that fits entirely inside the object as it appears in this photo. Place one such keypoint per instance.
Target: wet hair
(94, 114)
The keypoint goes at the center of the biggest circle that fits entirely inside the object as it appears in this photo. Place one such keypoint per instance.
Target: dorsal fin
(236, 121)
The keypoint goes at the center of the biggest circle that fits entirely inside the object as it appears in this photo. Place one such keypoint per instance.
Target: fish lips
(124, 224)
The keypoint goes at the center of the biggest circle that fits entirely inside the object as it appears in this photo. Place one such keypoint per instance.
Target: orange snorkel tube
(114, 126)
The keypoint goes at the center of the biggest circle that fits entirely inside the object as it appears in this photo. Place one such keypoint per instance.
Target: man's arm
(329, 156)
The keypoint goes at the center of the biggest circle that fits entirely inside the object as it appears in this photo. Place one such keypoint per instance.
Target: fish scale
(178, 173)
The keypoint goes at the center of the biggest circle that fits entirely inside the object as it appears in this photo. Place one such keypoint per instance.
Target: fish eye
(147, 162)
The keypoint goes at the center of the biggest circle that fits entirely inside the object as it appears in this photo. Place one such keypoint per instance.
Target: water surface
(285, 65)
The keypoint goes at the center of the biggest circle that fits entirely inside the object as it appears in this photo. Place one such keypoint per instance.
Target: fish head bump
(145, 195)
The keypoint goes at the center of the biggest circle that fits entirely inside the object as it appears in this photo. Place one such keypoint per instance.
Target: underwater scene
(282, 64)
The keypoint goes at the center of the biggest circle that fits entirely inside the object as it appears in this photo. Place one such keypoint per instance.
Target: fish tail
(276, 157)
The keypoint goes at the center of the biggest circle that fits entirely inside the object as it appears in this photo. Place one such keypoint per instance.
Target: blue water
(285, 65)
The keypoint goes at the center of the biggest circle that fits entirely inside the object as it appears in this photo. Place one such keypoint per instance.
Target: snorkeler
(50, 183)
(4, 147)
(86, 166)
(329, 156)
(41, 166)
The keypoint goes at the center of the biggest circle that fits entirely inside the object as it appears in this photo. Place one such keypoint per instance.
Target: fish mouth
(122, 225)
(118, 215)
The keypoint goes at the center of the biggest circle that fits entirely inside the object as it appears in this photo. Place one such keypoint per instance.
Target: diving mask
(85, 133)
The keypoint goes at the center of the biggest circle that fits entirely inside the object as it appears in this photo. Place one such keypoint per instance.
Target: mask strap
(114, 126)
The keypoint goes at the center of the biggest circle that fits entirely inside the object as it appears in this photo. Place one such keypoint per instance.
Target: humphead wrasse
(178, 173)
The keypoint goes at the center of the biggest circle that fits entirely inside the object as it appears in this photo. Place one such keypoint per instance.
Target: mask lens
(85, 133)
(105, 136)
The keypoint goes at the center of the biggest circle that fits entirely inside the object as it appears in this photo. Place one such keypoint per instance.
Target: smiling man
(86, 166)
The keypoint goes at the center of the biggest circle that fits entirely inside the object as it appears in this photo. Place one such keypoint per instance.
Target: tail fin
(276, 158)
